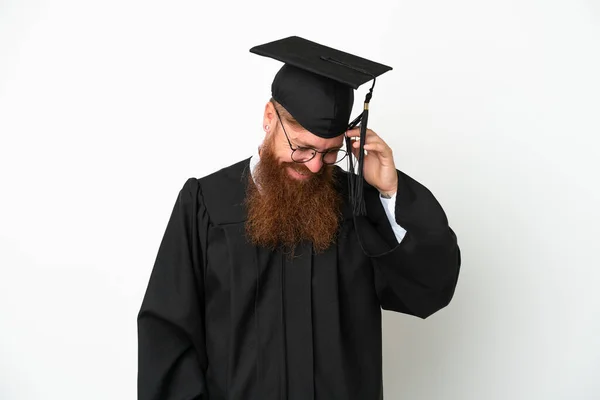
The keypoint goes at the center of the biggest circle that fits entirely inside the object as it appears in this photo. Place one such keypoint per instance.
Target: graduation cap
(316, 86)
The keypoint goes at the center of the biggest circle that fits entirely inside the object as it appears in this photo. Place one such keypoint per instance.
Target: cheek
(282, 158)
(283, 154)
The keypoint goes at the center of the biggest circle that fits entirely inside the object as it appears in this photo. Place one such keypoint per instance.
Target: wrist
(389, 191)
(387, 195)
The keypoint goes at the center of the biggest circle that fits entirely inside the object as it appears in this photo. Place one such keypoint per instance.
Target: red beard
(283, 211)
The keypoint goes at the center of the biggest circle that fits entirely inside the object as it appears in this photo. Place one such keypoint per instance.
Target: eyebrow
(306, 146)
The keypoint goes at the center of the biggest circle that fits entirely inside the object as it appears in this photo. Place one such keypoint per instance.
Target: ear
(269, 119)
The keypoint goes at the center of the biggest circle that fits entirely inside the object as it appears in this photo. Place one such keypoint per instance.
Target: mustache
(303, 169)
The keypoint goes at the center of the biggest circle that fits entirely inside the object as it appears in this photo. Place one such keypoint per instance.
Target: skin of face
(299, 137)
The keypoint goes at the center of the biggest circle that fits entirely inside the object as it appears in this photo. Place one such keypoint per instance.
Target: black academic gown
(222, 319)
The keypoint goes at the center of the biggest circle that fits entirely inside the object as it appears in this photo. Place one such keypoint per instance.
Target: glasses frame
(315, 151)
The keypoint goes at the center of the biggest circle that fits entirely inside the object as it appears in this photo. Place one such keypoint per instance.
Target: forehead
(305, 138)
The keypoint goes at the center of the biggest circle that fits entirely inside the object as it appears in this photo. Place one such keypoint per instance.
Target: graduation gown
(225, 320)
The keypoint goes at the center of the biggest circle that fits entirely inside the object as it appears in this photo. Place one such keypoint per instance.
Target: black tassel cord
(355, 180)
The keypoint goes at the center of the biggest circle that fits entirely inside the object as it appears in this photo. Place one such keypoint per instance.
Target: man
(269, 281)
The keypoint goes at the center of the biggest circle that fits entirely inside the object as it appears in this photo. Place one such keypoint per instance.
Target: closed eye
(303, 148)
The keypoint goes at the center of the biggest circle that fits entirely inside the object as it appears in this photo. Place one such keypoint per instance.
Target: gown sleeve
(417, 276)
(171, 346)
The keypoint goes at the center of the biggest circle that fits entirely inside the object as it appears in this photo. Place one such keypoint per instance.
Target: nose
(315, 164)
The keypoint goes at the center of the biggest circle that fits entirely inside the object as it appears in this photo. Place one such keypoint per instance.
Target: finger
(353, 132)
(382, 150)
(371, 140)
(356, 149)
(371, 133)
(376, 146)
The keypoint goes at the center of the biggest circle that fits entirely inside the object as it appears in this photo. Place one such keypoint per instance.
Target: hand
(379, 169)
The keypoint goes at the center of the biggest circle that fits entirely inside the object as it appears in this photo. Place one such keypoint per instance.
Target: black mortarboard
(316, 86)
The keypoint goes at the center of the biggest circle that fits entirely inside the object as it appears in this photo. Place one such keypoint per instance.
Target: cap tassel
(356, 181)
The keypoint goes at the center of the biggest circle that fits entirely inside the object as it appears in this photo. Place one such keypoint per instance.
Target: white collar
(254, 161)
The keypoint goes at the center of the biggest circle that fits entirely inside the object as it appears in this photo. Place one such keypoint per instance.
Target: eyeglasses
(305, 154)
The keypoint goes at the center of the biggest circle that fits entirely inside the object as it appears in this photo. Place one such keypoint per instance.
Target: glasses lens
(334, 156)
(303, 155)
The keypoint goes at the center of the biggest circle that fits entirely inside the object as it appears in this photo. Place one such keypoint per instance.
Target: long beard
(283, 212)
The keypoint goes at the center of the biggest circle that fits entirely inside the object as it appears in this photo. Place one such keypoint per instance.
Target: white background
(107, 107)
